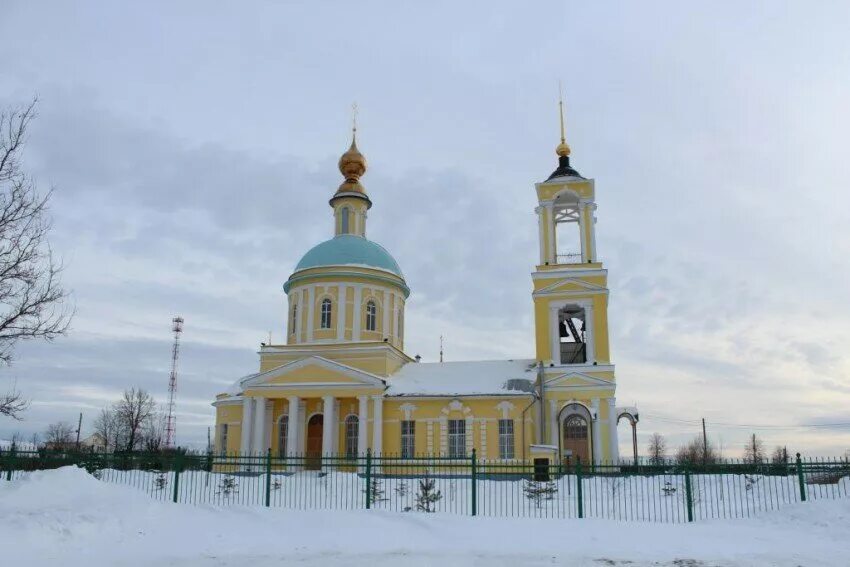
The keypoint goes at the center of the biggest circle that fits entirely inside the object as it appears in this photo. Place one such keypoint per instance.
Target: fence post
(11, 462)
(800, 479)
(177, 465)
(689, 497)
(368, 478)
(268, 477)
(474, 487)
(579, 493)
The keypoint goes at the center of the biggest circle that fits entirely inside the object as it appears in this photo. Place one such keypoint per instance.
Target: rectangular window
(222, 439)
(506, 439)
(408, 439)
(457, 438)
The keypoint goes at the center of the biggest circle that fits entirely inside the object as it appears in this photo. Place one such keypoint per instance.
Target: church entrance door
(576, 440)
(315, 430)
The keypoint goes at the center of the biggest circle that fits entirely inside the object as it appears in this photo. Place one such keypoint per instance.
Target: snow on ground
(68, 517)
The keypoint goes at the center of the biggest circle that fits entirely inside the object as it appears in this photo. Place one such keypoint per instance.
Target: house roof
(486, 377)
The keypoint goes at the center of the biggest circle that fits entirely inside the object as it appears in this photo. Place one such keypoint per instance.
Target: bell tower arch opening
(567, 221)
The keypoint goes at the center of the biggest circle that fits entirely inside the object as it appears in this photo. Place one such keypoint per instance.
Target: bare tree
(153, 433)
(754, 450)
(32, 300)
(133, 412)
(779, 455)
(657, 449)
(59, 435)
(697, 452)
(12, 403)
(106, 425)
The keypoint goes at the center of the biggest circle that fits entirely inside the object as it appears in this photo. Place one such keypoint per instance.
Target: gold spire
(563, 149)
(352, 164)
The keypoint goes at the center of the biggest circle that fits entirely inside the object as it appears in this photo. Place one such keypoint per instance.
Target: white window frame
(371, 316)
(344, 221)
(408, 439)
(222, 439)
(507, 443)
(326, 313)
(352, 435)
(456, 430)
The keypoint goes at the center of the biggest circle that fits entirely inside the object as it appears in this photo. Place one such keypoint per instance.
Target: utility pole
(704, 444)
(441, 348)
(79, 426)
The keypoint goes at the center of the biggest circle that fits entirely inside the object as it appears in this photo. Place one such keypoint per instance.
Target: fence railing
(471, 486)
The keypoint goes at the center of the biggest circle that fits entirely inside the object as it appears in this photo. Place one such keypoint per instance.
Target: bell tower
(570, 283)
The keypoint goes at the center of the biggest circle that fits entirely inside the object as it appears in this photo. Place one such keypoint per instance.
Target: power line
(696, 422)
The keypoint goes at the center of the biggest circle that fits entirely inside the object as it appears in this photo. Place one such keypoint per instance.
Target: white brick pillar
(340, 313)
(363, 424)
(293, 436)
(597, 434)
(247, 425)
(378, 425)
(553, 423)
(329, 425)
(259, 445)
(612, 430)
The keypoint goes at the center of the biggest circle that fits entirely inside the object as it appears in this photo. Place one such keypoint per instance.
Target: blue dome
(349, 250)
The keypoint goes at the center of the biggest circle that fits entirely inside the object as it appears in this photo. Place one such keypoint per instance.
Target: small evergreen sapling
(228, 486)
(537, 491)
(427, 496)
(401, 489)
(160, 481)
(376, 491)
(668, 489)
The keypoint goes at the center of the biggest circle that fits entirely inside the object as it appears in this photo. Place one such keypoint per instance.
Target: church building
(343, 384)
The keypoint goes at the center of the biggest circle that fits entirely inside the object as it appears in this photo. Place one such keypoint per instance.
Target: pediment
(314, 371)
(571, 380)
(570, 285)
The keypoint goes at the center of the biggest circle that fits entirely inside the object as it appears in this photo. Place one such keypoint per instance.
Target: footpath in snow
(67, 517)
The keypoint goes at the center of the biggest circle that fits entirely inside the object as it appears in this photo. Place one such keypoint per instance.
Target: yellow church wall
(230, 414)
(544, 329)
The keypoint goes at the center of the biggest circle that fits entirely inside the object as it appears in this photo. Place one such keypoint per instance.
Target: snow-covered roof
(488, 377)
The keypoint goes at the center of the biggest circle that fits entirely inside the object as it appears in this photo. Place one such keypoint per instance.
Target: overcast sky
(193, 149)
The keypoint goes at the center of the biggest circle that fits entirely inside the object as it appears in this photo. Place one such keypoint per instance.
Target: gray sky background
(193, 149)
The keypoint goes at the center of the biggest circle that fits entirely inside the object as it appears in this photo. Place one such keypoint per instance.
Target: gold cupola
(352, 165)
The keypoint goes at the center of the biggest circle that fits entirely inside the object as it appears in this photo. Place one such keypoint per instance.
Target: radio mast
(171, 420)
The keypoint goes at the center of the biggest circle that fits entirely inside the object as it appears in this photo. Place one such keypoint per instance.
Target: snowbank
(68, 517)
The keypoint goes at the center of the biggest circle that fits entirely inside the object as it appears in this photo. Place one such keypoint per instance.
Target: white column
(329, 425)
(355, 314)
(247, 425)
(592, 227)
(541, 226)
(378, 425)
(340, 316)
(581, 226)
(597, 435)
(553, 423)
(311, 305)
(395, 318)
(550, 222)
(363, 424)
(293, 436)
(590, 331)
(259, 425)
(385, 325)
(612, 430)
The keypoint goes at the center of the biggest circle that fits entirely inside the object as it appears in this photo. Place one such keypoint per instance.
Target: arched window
(344, 229)
(282, 434)
(326, 314)
(294, 319)
(371, 316)
(352, 432)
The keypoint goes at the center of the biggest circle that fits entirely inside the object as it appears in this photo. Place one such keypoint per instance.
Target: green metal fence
(470, 486)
